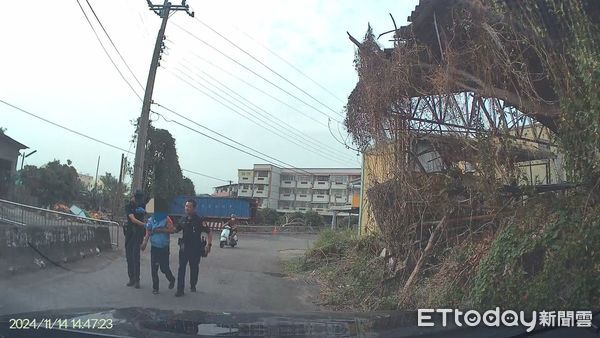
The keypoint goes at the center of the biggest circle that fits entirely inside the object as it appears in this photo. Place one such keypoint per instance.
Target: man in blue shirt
(158, 229)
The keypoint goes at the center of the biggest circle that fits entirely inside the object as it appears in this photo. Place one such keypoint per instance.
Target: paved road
(246, 278)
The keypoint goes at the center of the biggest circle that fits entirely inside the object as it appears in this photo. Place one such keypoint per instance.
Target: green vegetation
(544, 256)
(269, 216)
(51, 183)
(59, 183)
(162, 173)
(547, 258)
(348, 268)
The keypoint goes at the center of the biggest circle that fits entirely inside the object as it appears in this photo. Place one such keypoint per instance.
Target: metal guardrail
(21, 214)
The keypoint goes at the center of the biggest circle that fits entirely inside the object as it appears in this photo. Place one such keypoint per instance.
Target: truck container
(216, 208)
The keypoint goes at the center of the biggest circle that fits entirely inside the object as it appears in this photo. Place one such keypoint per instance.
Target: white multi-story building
(228, 190)
(298, 189)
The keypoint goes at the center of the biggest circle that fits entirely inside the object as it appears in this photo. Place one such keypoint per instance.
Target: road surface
(246, 278)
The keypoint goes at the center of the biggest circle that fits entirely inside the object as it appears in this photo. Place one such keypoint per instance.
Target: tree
(267, 216)
(51, 183)
(112, 193)
(187, 187)
(162, 173)
(2, 130)
(313, 218)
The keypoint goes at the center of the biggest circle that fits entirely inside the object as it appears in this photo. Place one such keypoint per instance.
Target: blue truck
(216, 208)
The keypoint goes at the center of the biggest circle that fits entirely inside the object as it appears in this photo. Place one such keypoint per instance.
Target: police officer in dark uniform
(134, 235)
(195, 243)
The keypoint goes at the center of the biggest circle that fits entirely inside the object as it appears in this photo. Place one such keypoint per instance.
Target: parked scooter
(228, 237)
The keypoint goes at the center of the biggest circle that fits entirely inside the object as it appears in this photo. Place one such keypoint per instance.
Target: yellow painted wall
(376, 169)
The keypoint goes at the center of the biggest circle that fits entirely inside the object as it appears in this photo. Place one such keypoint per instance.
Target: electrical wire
(335, 138)
(291, 167)
(204, 175)
(258, 89)
(264, 65)
(63, 127)
(253, 72)
(215, 132)
(106, 52)
(89, 137)
(290, 64)
(238, 112)
(114, 46)
(270, 118)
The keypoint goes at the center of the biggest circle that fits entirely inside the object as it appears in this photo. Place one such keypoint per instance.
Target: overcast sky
(53, 66)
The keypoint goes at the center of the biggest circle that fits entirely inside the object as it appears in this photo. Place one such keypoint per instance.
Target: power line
(215, 132)
(106, 51)
(279, 123)
(204, 175)
(291, 65)
(114, 46)
(89, 137)
(340, 142)
(232, 146)
(271, 96)
(258, 89)
(264, 65)
(238, 112)
(253, 72)
(63, 127)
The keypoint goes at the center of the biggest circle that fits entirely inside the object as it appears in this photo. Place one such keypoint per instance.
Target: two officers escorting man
(196, 242)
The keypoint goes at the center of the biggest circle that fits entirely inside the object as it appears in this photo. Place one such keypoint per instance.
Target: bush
(544, 257)
(547, 258)
(313, 219)
(349, 269)
(267, 216)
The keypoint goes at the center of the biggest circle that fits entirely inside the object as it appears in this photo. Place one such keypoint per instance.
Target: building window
(262, 173)
(339, 179)
(323, 178)
(338, 192)
(287, 177)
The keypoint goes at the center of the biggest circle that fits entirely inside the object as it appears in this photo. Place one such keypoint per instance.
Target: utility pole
(26, 156)
(116, 204)
(163, 11)
(96, 184)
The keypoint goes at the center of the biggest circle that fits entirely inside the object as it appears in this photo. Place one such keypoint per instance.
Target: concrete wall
(60, 244)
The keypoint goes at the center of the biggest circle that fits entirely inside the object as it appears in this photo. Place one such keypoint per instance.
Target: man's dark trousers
(193, 258)
(133, 242)
(159, 258)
